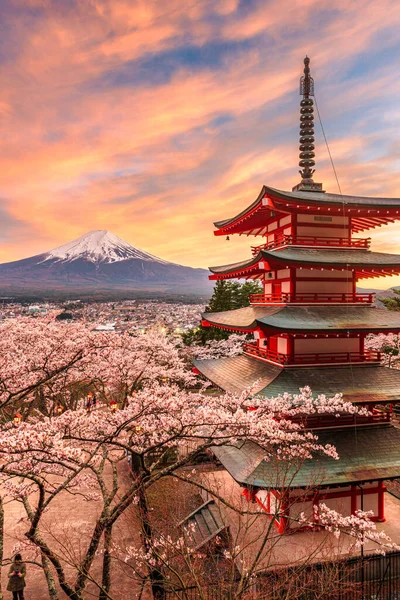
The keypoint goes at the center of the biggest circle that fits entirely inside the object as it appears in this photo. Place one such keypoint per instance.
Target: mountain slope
(99, 260)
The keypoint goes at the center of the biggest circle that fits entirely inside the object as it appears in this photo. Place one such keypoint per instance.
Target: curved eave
(363, 456)
(246, 268)
(306, 320)
(366, 212)
(331, 319)
(365, 264)
(243, 320)
(252, 220)
(359, 384)
(235, 328)
(385, 265)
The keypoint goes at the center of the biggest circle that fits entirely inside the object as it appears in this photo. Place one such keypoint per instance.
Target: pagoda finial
(307, 132)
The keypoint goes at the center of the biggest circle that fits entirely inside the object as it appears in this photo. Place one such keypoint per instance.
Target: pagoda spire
(307, 140)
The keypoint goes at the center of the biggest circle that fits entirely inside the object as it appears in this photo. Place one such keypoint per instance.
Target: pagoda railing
(311, 358)
(374, 416)
(311, 298)
(331, 242)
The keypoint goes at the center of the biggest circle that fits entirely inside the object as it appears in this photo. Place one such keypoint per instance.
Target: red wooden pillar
(290, 348)
(284, 522)
(292, 284)
(353, 499)
(316, 507)
(294, 227)
(381, 502)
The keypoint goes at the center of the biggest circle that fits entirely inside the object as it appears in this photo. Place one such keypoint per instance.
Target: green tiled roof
(365, 454)
(357, 384)
(308, 318)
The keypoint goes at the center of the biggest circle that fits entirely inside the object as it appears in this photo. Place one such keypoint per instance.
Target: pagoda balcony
(320, 358)
(311, 298)
(312, 242)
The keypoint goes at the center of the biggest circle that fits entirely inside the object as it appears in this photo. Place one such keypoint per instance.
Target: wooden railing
(319, 421)
(311, 298)
(331, 242)
(316, 358)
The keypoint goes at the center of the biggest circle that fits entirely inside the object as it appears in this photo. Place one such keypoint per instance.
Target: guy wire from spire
(327, 147)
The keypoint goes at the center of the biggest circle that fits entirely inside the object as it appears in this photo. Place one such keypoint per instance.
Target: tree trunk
(106, 578)
(1, 540)
(51, 584)
(156, 577)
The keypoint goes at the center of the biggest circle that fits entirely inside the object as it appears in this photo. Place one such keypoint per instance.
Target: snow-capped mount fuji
(99, 261)
(100, 246)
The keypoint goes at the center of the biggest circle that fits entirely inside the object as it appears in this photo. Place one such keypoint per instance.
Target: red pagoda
(309, 327)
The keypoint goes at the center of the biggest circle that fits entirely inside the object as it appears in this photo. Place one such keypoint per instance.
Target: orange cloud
(153, 121)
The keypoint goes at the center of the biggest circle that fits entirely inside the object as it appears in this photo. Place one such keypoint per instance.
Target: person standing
(16, 578)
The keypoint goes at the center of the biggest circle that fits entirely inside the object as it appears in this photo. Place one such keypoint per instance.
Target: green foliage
(392, 302)
(227, 295)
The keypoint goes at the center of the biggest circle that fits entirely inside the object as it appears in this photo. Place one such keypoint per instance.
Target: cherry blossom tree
(232, 346)
(44, 363)
(388, 345)
(160, 425)
(59, 455)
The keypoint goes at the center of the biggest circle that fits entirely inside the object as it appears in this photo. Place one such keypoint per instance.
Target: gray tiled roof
(365, 454)
(307, 318)
(330, 256)
(331, 318)
(203, 524)
(242, 318)
(237, 373)
(315, 197)
(357, 384)
(326, 198)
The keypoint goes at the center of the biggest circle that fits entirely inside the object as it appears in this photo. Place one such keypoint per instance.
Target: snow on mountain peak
(99, 246)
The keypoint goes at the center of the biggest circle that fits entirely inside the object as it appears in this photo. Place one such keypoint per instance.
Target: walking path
(68, 523)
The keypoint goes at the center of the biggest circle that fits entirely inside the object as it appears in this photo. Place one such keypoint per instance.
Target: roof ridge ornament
(307, 147)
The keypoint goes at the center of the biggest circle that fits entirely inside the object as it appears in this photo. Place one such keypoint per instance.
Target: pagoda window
(282, 345)
(283, 274)
(326, 345)
(343, 286)
(327, 273)
(317, 226)
(272, 226)
(285, 221)
(318, 220)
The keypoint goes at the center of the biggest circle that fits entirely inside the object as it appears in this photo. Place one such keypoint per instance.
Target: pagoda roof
(365, 454)
(358, 384)
(307, 318)
(242, 318)
(326, 198)
(280, 258)
(271, 199)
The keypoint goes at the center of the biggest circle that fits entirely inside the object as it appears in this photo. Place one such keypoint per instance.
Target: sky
(155, 118)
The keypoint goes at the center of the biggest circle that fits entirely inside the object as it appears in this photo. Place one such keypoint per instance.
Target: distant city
(133, 316)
